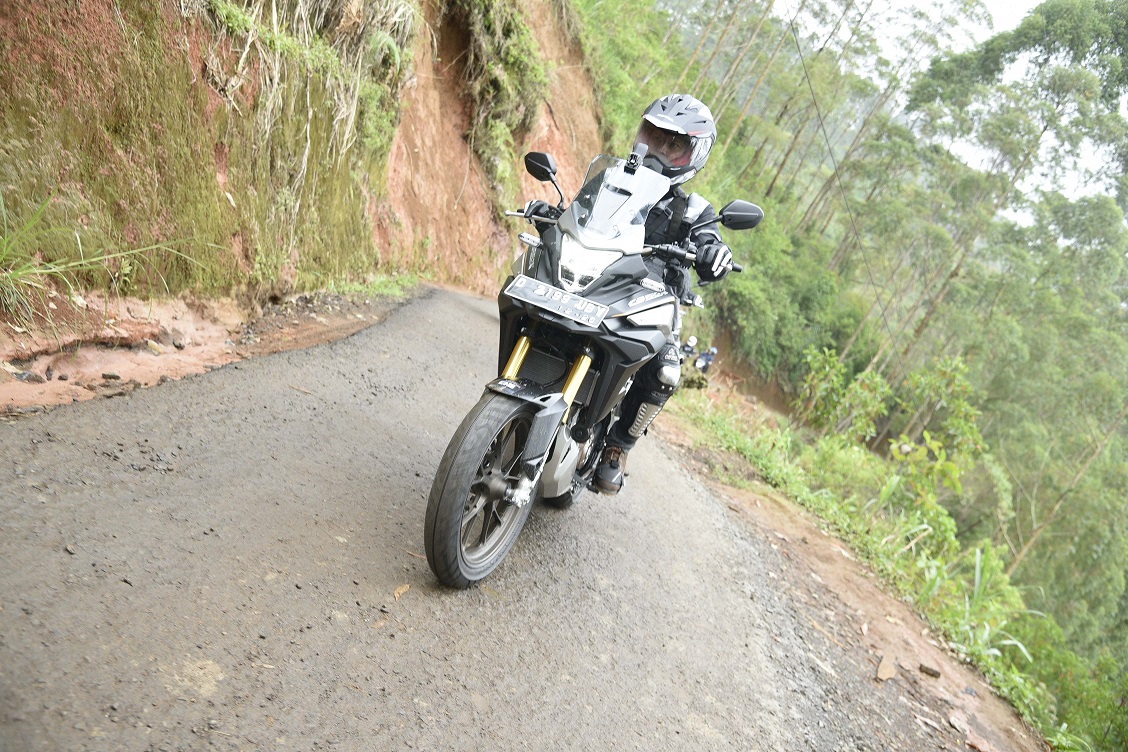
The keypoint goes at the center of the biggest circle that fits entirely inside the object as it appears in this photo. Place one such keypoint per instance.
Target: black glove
(539, 208)
(539, 212)
(714, 261)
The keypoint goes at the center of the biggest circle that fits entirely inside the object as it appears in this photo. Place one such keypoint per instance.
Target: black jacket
(669, 222)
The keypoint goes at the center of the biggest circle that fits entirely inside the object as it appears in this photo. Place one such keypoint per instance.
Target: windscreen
(610, 210)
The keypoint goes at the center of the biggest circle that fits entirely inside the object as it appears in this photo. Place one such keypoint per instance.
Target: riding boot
(612, 466)
(656, 381)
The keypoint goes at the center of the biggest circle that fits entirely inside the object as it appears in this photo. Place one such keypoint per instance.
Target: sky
(1008, 13)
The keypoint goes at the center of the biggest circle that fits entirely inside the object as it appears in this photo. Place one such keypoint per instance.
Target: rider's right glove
(539, 212)
(538, 208)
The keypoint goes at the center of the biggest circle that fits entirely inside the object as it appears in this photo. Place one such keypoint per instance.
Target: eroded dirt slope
(436, 202)
(437, 196)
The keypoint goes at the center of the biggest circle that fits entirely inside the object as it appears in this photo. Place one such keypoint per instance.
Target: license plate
(556, 300)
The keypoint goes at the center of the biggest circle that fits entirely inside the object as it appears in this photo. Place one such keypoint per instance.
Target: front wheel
(471, 523)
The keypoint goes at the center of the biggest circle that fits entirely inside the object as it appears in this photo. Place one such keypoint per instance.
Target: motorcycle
(581, 313)
(705, 360)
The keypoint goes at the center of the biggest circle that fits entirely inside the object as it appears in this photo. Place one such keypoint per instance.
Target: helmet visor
(673, 149)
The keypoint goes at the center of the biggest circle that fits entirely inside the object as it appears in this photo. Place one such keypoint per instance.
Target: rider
(678, 131)
(690, 348)
(705, 360)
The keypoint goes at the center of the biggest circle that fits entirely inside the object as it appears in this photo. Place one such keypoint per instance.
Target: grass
(379, 286)
(264, 183)
(27, 281)
(965, 596)
(505, 81)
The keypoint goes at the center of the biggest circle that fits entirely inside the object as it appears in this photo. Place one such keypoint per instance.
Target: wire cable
(841, 188)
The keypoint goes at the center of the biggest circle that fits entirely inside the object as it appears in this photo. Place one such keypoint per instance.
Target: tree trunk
(842, 252)
(700, 43)
(877, 302)
(717, 47)
(755, 90)
(780, 117)
(786, 157)
(752, 162)
(1039, 529)
(726, 88)
(804, 155)
(969, 237)
(858, 141)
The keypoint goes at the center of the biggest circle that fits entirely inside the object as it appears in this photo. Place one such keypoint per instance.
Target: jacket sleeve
(708, 240)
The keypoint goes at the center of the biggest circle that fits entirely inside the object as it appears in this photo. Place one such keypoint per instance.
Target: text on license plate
(556, 300)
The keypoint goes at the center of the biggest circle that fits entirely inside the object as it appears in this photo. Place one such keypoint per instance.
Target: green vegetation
(886, 511)
(250, 136)
(28, 281)
(380, 286)
(316, 54)
(946, 307)
(631, 64)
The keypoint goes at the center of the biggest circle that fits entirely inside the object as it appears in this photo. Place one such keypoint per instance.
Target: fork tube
(576, 377)
(517, 358)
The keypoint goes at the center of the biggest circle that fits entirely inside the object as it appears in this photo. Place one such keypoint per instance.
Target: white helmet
(679, 132)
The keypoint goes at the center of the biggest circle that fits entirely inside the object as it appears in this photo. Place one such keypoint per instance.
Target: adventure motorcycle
(580, 315)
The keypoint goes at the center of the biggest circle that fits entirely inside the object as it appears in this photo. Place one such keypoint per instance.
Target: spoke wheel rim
(488, 519)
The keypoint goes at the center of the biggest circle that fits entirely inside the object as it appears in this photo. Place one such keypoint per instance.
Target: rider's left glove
(714, 261)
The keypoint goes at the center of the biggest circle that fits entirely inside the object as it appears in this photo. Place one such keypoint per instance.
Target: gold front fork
(517, 358)
(571, 384)
(576, 377)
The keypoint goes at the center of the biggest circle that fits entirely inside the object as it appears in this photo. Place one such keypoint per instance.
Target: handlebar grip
(737, 268)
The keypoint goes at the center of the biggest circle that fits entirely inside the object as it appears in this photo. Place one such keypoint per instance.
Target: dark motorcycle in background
(581, 313)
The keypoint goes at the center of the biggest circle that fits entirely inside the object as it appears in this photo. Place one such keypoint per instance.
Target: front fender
(551, 408)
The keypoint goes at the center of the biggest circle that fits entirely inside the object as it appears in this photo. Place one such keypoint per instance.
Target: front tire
(471, 525)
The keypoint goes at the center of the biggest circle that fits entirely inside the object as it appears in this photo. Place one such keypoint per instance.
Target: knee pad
(648, 394)
(670, 375)
(666, 376)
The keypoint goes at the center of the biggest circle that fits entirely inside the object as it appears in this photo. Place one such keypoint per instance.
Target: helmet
(712, 351)
(679, 132)
(692, 341)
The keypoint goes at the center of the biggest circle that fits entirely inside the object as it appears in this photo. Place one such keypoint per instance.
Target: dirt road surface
(233, 561)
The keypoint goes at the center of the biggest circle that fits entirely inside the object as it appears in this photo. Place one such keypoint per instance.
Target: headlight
(580, 266)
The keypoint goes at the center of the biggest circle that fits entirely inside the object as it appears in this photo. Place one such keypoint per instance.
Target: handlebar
(675, 252)
(672, 252)
(531, 217)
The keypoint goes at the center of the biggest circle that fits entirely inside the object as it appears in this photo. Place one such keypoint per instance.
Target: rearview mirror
(540, 165)
(741, 215)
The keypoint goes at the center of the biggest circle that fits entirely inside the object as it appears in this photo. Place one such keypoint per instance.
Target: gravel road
(234, 561)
